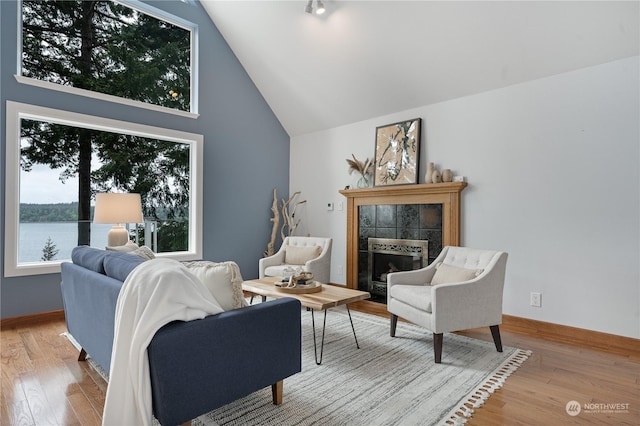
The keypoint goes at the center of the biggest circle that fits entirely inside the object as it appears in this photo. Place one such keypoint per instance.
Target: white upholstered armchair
(461, 289)
(311, 254)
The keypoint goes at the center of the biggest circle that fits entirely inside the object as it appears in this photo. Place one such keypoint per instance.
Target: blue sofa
(195, 366)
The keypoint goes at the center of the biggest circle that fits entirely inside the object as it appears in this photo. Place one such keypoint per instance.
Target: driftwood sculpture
(275, 220)
(289, 225)
(289, 215)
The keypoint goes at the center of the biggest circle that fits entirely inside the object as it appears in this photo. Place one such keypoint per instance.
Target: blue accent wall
(246, 153)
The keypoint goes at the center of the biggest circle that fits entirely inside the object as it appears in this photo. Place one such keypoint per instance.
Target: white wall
(553, 172)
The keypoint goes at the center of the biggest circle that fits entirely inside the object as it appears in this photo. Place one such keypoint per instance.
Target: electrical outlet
(339, 270)
(536, 300)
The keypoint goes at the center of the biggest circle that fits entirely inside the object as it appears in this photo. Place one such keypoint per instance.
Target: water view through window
(62, 167)
(60, 237)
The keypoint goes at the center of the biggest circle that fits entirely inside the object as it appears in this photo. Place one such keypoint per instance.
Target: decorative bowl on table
(301, 283)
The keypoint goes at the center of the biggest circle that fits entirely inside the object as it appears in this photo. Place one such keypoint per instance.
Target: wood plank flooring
(557, 373)
(44, 384)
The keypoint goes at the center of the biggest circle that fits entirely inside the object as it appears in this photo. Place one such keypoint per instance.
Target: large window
(127, 51)
(58, 160)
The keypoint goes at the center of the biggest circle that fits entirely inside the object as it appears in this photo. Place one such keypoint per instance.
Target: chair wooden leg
(495, 332)
(394, 323)
(437, 347)
(276, 392)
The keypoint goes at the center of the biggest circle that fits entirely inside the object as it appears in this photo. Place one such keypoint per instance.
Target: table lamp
(117, 208)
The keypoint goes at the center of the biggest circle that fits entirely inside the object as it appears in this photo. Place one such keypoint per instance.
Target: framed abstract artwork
(397, 153)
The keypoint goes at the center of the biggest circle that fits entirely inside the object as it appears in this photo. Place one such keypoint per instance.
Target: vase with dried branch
(363, 168)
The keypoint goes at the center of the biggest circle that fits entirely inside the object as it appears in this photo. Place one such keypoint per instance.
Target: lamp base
(118, 236)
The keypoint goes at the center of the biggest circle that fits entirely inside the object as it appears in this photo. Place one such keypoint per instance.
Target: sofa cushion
(89, 257)
(299, 255)
(125, 248)
(132, 248)
(223, 280)
(119, 265)
(144, 252)
(453, 274)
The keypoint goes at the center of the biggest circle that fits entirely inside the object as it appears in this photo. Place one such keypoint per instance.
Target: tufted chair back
(465, 294)
(320, 266)
(469, 258)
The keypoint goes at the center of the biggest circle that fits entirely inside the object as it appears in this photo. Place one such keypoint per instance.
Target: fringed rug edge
(460, 414)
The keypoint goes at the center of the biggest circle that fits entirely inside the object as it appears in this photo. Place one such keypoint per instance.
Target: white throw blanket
(155, 293)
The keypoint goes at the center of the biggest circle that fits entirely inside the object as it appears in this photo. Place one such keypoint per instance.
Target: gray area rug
(388, 381)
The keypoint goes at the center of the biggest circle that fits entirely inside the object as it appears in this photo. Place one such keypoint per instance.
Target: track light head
(320, 7)
(309, 8)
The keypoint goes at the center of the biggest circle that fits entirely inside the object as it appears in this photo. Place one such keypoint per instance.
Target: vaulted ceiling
(364, 59)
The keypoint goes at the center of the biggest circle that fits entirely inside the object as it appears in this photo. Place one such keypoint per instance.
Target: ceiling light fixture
(320, 9)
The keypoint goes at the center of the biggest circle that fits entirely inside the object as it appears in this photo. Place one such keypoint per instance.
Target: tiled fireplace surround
(418, 212)
(401, 221)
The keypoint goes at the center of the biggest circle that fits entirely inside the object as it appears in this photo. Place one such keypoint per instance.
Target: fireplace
(382, 227)
(427, 212)
(387, 255)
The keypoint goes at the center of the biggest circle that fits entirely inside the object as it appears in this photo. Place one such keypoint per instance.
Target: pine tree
(49, 251)
(106, 47)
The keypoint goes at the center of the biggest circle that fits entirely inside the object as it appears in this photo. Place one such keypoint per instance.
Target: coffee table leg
(352, 327)
(264, 298)
(315, 346)
(324, 324)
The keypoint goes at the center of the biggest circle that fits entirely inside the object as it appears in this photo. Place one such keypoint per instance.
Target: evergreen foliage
(107, 47)
(61, 212)
(49, 251)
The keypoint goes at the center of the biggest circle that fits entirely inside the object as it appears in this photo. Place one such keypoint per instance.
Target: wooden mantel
(447, 194)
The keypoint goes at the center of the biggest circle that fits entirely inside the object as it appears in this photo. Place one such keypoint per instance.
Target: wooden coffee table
(330, 296)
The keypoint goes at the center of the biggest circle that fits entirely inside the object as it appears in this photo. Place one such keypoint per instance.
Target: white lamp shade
(117, 208)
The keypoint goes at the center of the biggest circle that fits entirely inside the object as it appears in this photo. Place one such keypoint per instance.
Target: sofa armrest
(200, 365)
(89, 299)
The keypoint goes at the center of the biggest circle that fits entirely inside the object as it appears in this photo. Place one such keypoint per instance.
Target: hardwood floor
(44, 384)
(557, 373)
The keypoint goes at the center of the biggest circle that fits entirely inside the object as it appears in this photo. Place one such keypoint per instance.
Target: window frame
(16, 111)
(148, 10)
